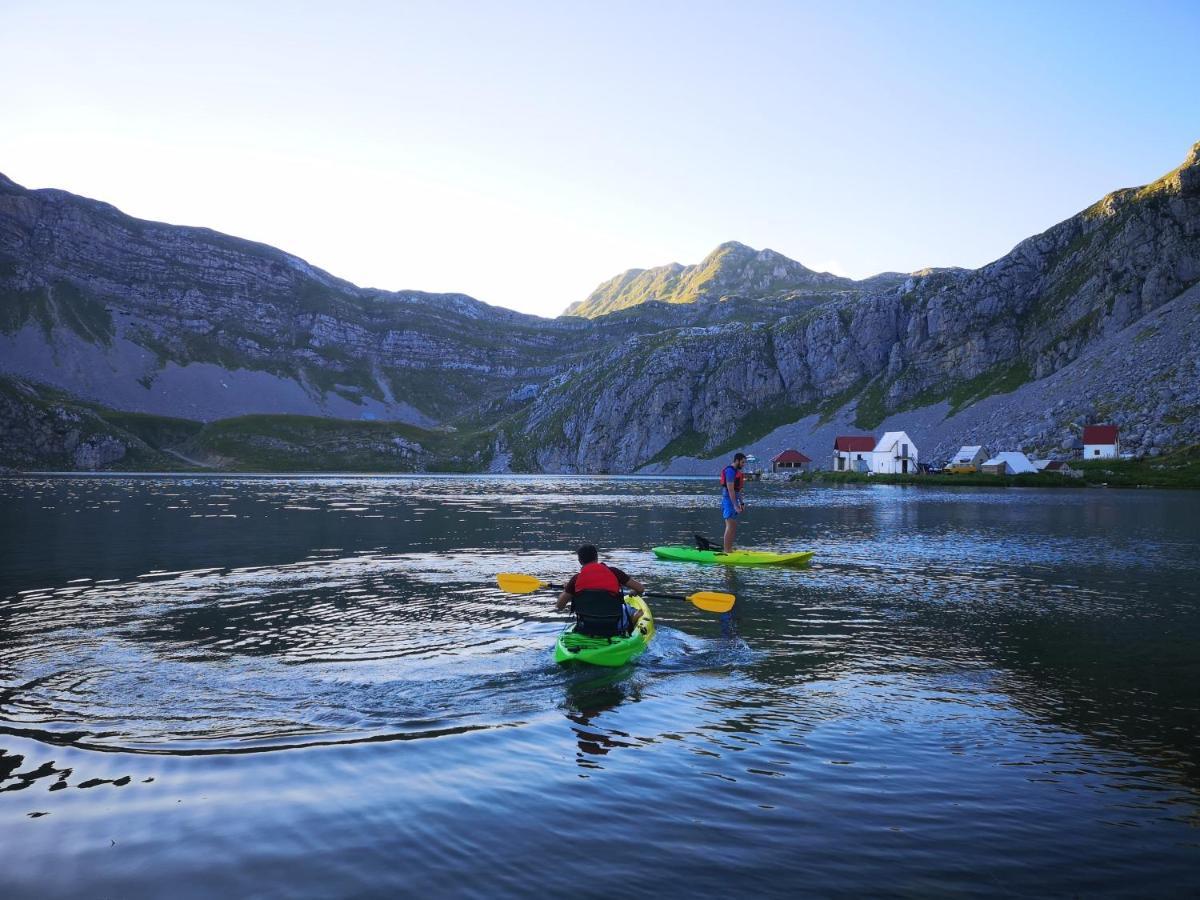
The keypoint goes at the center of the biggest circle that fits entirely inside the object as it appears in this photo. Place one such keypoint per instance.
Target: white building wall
(884, 457)
(852, 460)
(1099, 451)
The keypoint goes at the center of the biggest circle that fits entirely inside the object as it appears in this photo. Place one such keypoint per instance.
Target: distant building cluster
(1099, 442)
(892, 454)
(896, 454)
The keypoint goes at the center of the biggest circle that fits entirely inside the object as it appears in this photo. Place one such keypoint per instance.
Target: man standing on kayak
(732, 504)
(596, 599)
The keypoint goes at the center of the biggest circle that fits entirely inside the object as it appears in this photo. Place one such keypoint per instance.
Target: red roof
(791, 456)
(1100, 434)
(854, 443)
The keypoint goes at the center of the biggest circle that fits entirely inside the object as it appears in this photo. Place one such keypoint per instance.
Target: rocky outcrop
(97, 453)
(39, 433)
(1144, 379)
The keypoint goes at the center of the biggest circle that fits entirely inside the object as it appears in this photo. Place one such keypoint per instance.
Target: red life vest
(597, 577)
(738, 479)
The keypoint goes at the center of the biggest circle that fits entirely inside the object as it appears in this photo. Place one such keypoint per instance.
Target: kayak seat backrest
(598, 613)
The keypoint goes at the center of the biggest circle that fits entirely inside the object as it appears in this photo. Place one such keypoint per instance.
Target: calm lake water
(312, 687)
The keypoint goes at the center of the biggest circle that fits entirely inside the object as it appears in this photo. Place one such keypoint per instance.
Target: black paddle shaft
(559, 587)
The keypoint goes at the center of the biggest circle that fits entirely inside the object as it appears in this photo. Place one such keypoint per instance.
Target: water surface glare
(311, 686)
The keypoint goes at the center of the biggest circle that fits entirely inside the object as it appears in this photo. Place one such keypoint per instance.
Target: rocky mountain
(189, 322)
(110, 324)
(731, 270)
(942, 339)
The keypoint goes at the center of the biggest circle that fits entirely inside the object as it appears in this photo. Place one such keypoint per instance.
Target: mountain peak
(732, 269)
(732, 246)
(1189, 173)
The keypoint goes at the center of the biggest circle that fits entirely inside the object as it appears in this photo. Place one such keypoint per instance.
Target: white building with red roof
(852, 452)
(1101, 442)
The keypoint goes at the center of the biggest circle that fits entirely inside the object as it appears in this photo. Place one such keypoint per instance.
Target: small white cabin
(895, 454)
(1011, 462)
(970, 456)
(1101, 442)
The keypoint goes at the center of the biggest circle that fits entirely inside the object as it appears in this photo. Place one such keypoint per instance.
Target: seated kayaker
(596, 599)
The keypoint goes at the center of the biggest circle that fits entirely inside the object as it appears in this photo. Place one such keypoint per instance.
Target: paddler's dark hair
(587, 554)
(738, 455)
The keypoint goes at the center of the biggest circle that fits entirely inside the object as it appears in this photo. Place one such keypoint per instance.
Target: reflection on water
(589, 695)
(979, 691)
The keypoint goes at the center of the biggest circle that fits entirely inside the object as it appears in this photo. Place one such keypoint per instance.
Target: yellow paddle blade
(516, 583)
(712, 601)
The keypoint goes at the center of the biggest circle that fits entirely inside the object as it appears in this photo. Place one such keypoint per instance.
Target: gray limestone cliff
(945, 338)
(189, 322)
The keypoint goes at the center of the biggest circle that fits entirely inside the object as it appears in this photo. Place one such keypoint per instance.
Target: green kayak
(599, 651)
(736, 558)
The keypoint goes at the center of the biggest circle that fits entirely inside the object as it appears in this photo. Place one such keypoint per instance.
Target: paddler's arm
(623, 579)
(563, 599)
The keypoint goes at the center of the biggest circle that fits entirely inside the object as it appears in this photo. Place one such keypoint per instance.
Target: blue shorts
(728, 510)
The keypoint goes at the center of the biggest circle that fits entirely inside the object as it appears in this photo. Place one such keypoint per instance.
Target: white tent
(1011, 462)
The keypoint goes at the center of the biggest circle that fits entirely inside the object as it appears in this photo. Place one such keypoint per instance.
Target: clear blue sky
(524, 152)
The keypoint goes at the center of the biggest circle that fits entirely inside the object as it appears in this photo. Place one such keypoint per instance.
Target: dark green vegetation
(761, 423)
(309, 443)
(999, 379)
(830, 407)
(43, 428)
(154, 431)
(690, 443)
(871, 410)
(59, 304)
(1179, 469)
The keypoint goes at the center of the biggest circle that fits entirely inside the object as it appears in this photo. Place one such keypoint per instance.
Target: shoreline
(1176, 470)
